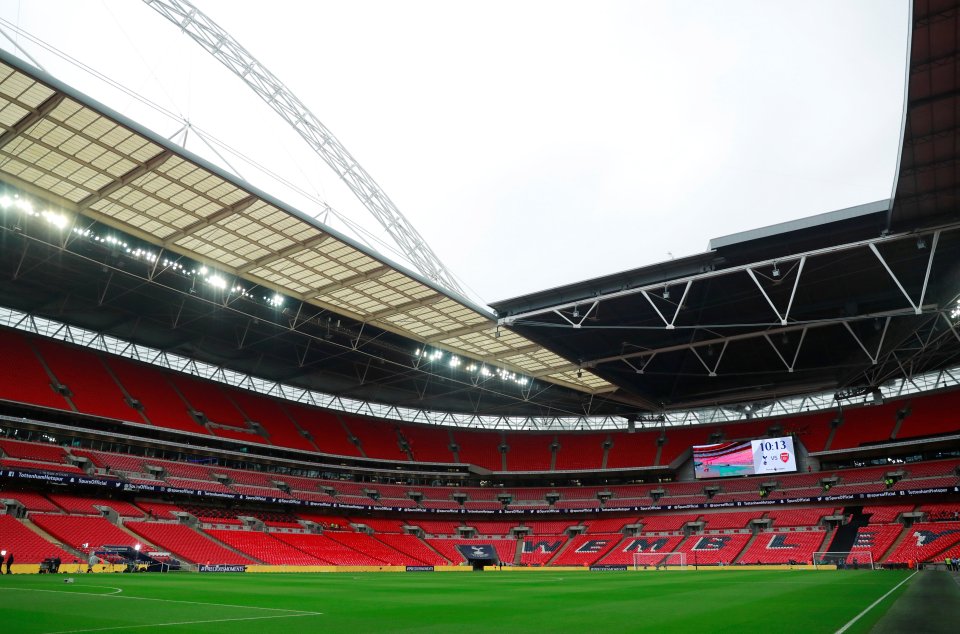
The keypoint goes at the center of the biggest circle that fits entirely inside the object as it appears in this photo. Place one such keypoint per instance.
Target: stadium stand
(22, 376)
(528, 452)
(580, 451)
(39, 466)
(186, 543)
(479, 448)
(931, 415)
(505, 548)
(886, 514)
(33, 451)
(653, 523)
(372, 547)
(877, 539)
(263, 547)
(864, 425)
(631, 450)
(926, 541)
(325, 430)
(88, 506)
(414, 548)
(713, 549)
(798, 517)
(585, 550)
(718, 521)
(159, 510)
(773, 547)
(623, 552)
(30, 501)
(377, 439)
(270, 414)
(161, 404)
(428, 444)
(77, 530)
(328, 550)
(27, 546)
(538, 551)
(92, 389)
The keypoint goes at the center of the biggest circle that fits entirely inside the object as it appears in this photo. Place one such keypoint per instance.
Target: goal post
(845, 559)
(659, 560)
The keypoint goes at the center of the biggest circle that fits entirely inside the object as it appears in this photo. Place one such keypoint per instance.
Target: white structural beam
(221, 45)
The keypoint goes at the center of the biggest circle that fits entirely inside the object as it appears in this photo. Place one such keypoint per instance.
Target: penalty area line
(142, 625)
(874, 604)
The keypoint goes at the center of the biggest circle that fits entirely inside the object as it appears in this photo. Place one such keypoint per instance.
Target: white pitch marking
(113, 595)
(127, 627)
(874, 604)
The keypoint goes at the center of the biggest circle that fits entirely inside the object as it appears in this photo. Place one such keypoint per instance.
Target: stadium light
(776, 270)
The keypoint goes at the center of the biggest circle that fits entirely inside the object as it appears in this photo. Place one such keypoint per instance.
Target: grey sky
(533, 144)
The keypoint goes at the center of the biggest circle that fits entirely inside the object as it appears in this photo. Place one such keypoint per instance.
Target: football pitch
(535, 601)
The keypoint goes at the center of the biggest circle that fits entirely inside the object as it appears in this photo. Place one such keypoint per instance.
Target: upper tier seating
(580, 451)
(632, 450)
(549, 527)
(159, 510)
(26, 546)
(377, 439)
(269, 413)
(325, 429)
(264, 547)
(77, 530)
(780, 548)
(207, 397)
(113, 461)
(428, 444)
(93, 390)
(40, 466)
(932, 415)
(161, 403)
(886, 514)
(186, 543)
(479, 448)
(22, 376)
(870, 424)
(528, 452)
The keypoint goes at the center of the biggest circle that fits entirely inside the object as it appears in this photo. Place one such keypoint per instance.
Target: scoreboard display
(751, 457)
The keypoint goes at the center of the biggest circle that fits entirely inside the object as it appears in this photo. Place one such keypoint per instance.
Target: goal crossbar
(659, 560)
(852, 559)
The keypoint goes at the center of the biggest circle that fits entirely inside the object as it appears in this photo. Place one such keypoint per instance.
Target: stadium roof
(92, 164)
(209, 267)
(847, 299)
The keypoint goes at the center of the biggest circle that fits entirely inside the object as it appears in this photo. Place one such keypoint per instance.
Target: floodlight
(776, 270)
(666, 293)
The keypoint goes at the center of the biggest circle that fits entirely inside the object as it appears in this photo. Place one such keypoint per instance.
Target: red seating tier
(22, 377)
(186, 543)
(780, 548)
(528, 452)
(327, 432)
(715, 521)
(31, 501)
(506, 548)
(377, 439)
(886, 514)
(44, 452)
(372, 547)
(93, 390)
(414, 547)
(632, 450)
(26, 546)
(580, 451)
(85, 506)
(39, 466)
(666, 522)
(584, 550)
(877, 539)
(77, 530)
(931, 415)
(650, 545)
(207, 397)
(328, 550)
(264, 547)
(871, 423)
(161, 403)
(798, 517)
(927, 541)
(479, 448)
(537, 551)
(270, 414)
(713, 549)
(428, 444)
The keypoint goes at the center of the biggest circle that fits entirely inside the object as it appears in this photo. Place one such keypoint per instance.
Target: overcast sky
(533, 144)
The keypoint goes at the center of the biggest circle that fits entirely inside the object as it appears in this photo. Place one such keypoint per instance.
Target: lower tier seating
(186, 543)
(264, 547)
(27, 546)
(777, 547)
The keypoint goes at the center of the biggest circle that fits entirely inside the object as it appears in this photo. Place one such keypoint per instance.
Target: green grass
(542, 601)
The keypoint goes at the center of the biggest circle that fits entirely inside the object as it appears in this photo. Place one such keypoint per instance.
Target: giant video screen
(741, 458)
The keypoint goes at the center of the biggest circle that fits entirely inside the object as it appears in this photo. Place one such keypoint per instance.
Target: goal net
(659, 560)
(845, 559)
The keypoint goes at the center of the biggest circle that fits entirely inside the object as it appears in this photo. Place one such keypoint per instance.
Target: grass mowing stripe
(113, 595)
(874, 604)
(207, 621)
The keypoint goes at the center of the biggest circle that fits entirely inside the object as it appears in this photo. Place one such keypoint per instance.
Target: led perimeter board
(751, 457)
